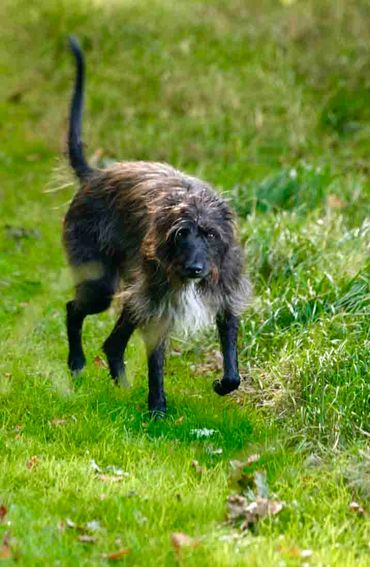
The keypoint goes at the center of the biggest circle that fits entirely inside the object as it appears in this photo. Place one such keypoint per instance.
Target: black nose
(194, 271)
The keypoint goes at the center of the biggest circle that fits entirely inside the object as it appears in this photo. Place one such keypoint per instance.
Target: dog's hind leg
(115, 345)
(92, 296)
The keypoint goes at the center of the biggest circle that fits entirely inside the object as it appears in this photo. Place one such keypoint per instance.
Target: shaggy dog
(168, 240)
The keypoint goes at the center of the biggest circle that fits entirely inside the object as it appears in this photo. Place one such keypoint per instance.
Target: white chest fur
(185, 312)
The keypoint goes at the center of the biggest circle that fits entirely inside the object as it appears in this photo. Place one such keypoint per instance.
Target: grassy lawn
(269, 101)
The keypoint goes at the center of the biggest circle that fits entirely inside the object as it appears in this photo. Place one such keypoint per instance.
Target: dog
(167, 240)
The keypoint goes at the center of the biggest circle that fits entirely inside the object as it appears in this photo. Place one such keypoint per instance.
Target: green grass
(269, 101)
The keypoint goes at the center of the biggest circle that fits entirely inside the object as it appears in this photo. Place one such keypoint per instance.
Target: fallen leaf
(5, 549)
(100, 362)
(85, 538)
(58, 421)
(240, 509)
(32, 462)
(5, 552)
(180, 420)
(293, 551)
(3, 512)
(116, 555)
(198, 469)
(176, 352)
(334, 202)
(356, 507)
(180, 540)
(109, 477)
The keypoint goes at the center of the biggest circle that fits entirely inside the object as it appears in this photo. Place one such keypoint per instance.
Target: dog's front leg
(156, 399)
(228, 325)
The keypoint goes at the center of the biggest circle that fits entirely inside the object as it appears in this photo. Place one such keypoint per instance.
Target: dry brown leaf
(176, 351)
(293, 551)
(3, 511)
(356, 507)
(242, 510)
(180, 540)
(99, 361)
(334, 202)
(196, 466)
(85, 538)
(32, 462)
(116, 555)
(58, 421)
(110, 477)
(5, 549)
(5, 552)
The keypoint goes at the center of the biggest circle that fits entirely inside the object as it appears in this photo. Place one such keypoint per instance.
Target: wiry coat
(128, 214)
(166, 241)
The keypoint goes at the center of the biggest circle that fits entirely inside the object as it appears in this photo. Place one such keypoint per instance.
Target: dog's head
(190, 233)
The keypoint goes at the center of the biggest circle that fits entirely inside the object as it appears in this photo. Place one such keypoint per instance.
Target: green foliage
(301, 187)
(268, 101)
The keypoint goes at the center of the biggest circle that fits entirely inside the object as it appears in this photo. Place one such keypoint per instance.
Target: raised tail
(75, 145)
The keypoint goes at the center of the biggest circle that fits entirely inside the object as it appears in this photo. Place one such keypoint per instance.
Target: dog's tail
(75, 145)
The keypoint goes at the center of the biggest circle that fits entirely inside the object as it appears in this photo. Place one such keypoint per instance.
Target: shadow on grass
(97, 412)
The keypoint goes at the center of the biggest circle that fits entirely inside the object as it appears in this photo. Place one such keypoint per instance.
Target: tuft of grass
(268, 101)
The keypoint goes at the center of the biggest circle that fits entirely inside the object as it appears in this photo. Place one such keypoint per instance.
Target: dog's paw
(76, 364)
(121, 381)
(226, 385)
(157, 415)
(157, 408)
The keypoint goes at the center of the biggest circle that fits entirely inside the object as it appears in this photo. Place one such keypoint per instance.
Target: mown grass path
(268, 101)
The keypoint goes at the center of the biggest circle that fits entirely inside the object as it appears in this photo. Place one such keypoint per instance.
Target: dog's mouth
(193, 274)
(185, 274)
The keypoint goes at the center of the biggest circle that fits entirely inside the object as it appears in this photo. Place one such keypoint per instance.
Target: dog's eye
(182, 233)
(211, 235)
